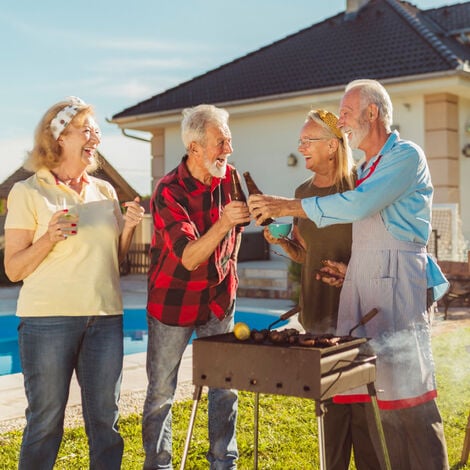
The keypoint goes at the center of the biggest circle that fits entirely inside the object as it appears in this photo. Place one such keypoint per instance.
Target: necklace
(73, 183)
(327, 189)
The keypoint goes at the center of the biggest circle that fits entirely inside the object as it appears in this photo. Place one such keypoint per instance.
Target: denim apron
(390, 275)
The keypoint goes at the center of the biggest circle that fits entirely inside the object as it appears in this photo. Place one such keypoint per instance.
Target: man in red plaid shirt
(192, 281)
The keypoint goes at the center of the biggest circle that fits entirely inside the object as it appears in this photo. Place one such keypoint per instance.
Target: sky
(114, 54)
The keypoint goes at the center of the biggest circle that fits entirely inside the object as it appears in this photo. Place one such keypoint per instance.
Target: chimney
(353, 6)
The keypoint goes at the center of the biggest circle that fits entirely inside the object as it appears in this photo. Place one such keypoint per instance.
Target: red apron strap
(371, 170)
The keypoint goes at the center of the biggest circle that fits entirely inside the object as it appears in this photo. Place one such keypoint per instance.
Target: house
(421, 56)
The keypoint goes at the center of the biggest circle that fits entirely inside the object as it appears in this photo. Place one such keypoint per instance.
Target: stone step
(264, 279)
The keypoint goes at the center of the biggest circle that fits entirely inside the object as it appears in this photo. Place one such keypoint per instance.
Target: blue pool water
(135, 334)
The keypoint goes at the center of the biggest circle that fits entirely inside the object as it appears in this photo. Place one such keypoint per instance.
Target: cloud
(73, 38)
(132, 89)
(11, 22)
(134, 44)
(145, 63)
(124, 87)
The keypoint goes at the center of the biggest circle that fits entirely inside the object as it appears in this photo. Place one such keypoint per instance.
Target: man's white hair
(373, 92)
(197, 119)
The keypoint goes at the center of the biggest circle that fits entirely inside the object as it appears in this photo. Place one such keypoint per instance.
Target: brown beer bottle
(253, 189)
(236, 192)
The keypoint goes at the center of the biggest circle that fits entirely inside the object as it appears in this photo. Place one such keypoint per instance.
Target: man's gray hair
(196, 121)
(373, 92)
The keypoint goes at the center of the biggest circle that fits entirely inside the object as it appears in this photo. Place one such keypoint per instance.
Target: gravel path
(130, 403)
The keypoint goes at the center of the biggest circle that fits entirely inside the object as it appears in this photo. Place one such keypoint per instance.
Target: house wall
(174, 148)
(261, 146)
(408, 116)
(263, 140)
(158, 152)
(260, 149)
(441, 146)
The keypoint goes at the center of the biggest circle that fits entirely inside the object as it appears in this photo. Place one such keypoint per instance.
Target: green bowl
(280, 230)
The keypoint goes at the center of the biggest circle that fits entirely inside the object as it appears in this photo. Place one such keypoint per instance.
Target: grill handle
(290, 313)
(285, 316)
(365, 319)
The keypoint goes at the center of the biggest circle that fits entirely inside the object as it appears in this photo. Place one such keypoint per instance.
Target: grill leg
(255, 464)
(378, 422)
(196, 398)
(466, 444)
(320, 411)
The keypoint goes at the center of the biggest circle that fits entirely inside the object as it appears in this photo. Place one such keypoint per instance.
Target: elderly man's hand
(332, 273)
(263, 207)
(236, 212)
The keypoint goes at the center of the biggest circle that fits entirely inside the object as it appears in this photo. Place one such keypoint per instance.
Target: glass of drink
(69, 219)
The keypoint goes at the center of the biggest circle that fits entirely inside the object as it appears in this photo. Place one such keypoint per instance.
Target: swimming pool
(135, 334)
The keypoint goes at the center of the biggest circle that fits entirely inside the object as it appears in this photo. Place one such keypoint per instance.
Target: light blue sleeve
(392, 179)
(436, 279)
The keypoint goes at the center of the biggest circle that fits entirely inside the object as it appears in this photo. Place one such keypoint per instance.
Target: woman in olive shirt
(328, 156)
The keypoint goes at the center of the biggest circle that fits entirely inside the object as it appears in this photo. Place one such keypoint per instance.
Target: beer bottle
(253, 189)
(236, 192)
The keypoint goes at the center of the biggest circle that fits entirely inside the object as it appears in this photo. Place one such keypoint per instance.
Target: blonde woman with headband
(328, 156)
(64, 239)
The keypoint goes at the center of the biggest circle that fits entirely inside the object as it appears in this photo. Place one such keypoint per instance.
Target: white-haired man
(389, 269)
(192, 281)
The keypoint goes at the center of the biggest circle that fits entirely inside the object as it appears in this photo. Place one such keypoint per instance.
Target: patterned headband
(330, 120)
(65, 115)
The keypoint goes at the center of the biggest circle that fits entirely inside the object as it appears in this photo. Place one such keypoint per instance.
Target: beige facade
(441, 127)
(433, 112)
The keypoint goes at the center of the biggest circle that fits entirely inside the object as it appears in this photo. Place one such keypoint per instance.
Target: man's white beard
(357, 136)
(213, 169)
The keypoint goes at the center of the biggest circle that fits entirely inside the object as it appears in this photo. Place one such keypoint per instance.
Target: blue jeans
(166, 345)
(51, 348)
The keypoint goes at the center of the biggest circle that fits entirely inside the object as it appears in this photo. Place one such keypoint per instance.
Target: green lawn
(287, 426)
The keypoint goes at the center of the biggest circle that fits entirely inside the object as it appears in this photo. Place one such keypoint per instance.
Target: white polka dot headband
(65, 115)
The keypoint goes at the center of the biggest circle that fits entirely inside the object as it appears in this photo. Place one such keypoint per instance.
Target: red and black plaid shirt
(183, 209)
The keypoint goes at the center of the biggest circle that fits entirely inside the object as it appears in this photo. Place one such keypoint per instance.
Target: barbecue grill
(317, 373)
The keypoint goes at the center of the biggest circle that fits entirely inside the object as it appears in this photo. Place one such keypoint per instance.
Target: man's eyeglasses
(307, 141)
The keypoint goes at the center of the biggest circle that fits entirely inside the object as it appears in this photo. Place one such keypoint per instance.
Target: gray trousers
(415, 438)
(348, 427)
